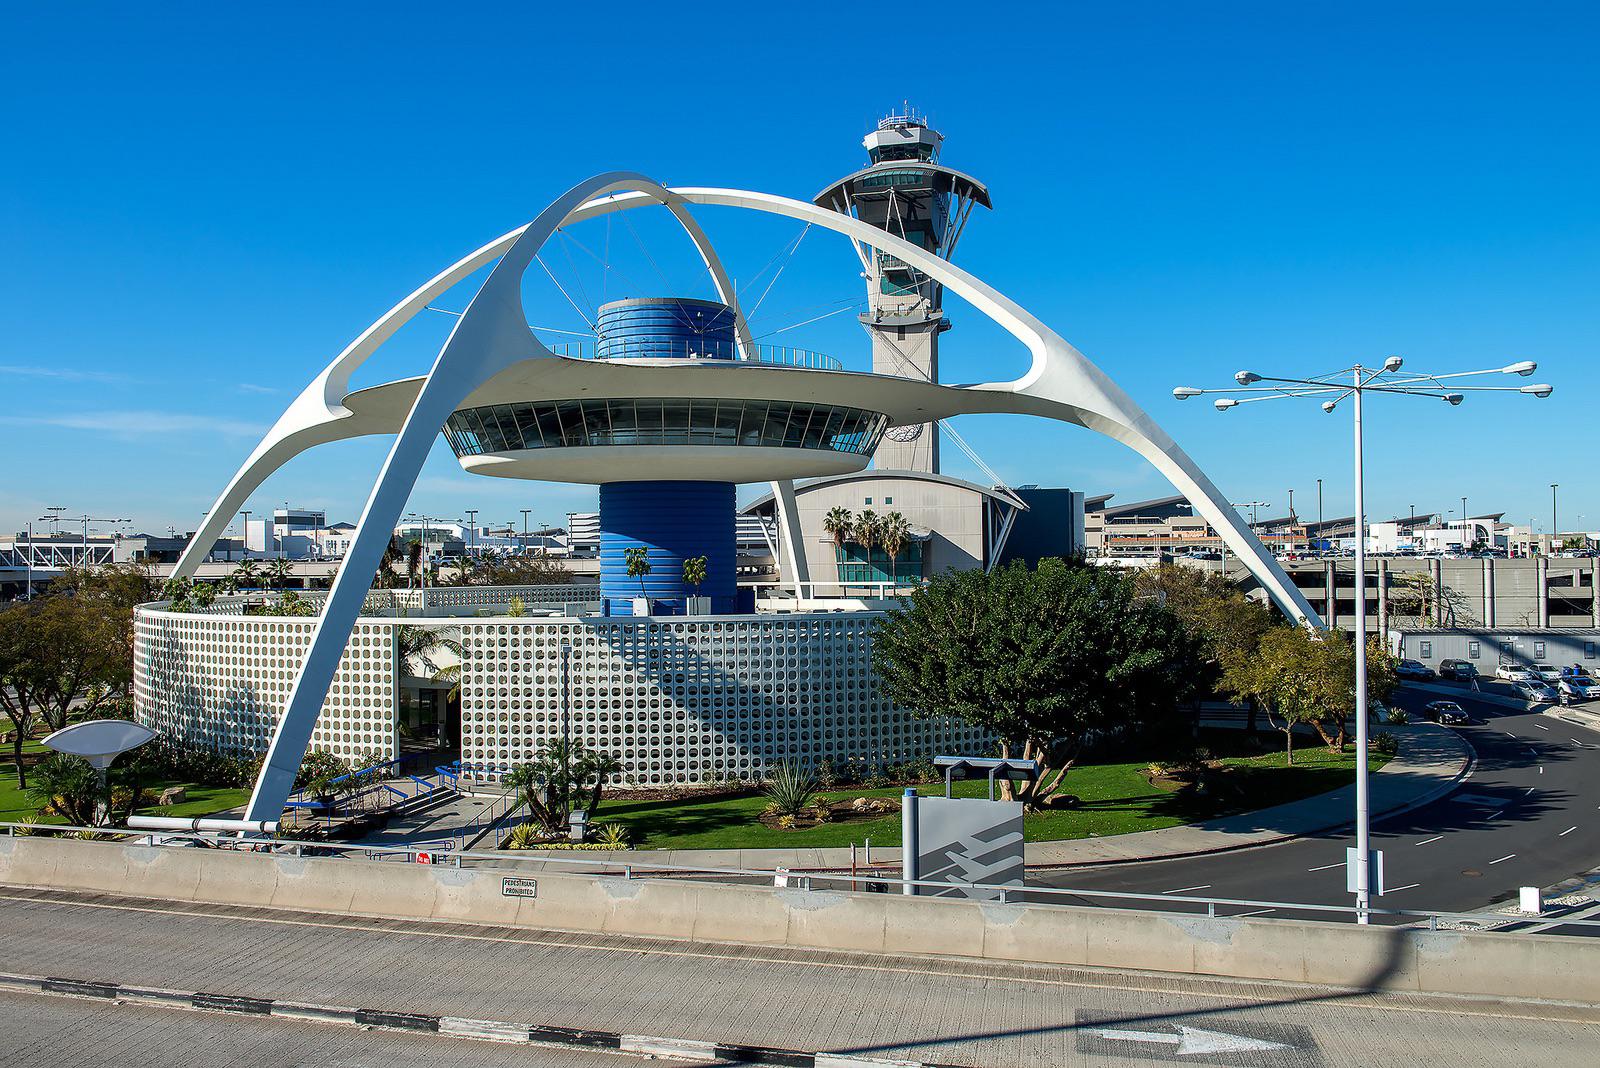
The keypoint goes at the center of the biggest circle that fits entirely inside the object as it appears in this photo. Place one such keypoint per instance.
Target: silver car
(1536, 692)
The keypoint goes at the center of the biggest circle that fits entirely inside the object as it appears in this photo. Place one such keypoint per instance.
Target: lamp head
(1222, 404)
(1245, 378)
(1329, 406)
(1454, 398)
(1524, 368)
(1541, 390)
(1392, 363)
(1185, 392)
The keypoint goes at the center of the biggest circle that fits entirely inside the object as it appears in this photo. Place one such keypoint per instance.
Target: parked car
(1459, 670)
(1577, 686)
(1414, 669)
(1548, 672)
(1537, 692)
(1515, 673)
(1447, 713)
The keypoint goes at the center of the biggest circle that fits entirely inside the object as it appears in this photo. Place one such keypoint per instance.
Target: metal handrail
(631, 869)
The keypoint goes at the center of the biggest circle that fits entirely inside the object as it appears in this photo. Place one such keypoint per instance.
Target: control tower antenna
(906, 191)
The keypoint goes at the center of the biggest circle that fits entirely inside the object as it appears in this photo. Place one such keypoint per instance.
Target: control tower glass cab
(907, 192)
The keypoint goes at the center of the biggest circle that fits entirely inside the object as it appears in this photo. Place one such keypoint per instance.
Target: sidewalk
(1431, 762)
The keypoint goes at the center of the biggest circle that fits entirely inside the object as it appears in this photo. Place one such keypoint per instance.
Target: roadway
(943, 1011)
(1528, 815)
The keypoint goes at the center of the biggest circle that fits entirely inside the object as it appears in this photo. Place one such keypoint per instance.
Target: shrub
(524, 836)
(790, 789)
(612, 835)
(1398, 717)
(1385, 744)
(516, 608)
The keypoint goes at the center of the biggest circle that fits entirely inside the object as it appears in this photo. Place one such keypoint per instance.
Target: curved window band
(663, 421)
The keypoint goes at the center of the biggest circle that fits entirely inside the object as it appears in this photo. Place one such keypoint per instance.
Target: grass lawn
(18, 806)
(1117, 798)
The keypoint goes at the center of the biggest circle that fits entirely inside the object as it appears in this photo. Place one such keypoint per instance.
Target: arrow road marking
(1194, 1041)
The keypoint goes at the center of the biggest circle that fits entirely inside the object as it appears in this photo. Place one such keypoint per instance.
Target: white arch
(492, 335)
(318, 415)
(1061, 384)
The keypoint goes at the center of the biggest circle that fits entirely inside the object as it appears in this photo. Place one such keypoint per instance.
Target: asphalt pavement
(1527, 815)
(900, 1008)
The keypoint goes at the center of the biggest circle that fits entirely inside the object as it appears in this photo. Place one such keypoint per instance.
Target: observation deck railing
(650, 348)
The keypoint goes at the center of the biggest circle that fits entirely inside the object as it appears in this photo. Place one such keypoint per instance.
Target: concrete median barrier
(1329, 954)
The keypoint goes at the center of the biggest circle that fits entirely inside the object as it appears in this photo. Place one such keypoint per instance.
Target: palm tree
(839, 524)
(868, 530)
(279, 572)
(413, 562)
(895, 533)
(392, 553)
(246, 574)
(638, 561)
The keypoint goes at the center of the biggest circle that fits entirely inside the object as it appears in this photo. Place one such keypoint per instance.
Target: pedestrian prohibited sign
(511, 887)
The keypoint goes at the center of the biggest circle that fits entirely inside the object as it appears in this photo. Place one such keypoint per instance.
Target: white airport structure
(668, 410)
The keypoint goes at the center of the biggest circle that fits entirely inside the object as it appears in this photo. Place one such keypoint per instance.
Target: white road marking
(1194, 1040)
(1566, 832)
(1541, 769)
(1186, 889)
(1397, 889)
(1493, 814)
(1508, 856)
(1541, 726)
(1425, 841)
(1325, 867)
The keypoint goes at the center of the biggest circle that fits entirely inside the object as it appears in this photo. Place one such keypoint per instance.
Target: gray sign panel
(966, 840)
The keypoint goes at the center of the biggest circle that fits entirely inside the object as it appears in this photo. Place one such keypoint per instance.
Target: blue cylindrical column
(672, 521)
(665, 328)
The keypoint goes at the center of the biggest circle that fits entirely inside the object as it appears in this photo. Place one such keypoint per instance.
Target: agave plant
(790, 789)
(612, 835)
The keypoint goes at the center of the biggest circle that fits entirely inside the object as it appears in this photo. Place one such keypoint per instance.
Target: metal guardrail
(1048, 896)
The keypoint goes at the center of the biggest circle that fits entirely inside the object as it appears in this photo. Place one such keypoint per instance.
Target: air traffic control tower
(908, 192)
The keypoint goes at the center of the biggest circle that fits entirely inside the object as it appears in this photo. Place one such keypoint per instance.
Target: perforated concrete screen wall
(674, 699)
(680, 700)
(221, 682)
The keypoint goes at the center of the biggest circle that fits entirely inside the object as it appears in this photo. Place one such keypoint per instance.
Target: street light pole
(1362, 381)
(566, 729)
(1363, 801)
(524, 545)
(1320, 531)
(472, 528)
(1555, 531)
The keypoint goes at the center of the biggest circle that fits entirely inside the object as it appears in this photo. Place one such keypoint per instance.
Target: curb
(647, 1046)
(1417, 802)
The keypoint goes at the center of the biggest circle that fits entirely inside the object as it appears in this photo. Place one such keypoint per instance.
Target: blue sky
(201, 207)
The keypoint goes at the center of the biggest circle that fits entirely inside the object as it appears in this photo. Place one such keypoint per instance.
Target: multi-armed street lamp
(1332, 389)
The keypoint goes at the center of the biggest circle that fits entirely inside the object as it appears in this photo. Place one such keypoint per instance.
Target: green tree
(25, 675)
(1307, 677)
(637, 560)
(1045, 659)
(1227, 624)
(694, 572)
